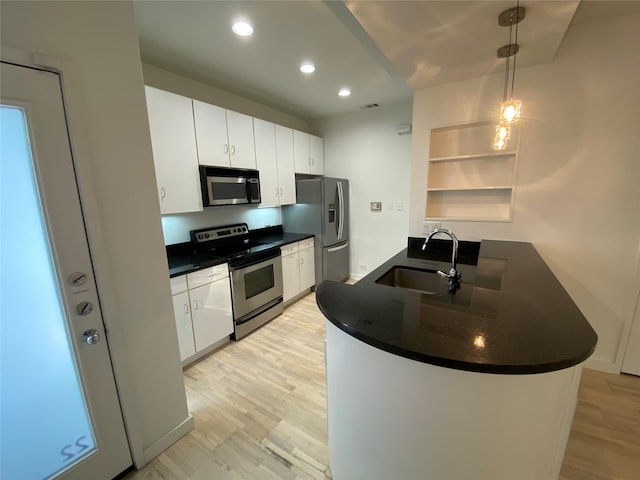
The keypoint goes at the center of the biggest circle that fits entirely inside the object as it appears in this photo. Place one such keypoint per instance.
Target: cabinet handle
(233, 149)
(186, 308)
(277, 192)
(302, 261)
(226, 148)
(195, 305)
(163, 192)
(281, 191)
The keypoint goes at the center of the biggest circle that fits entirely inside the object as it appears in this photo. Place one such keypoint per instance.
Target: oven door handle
(254, 259)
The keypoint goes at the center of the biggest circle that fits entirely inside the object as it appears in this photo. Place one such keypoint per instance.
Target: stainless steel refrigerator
(322, 208)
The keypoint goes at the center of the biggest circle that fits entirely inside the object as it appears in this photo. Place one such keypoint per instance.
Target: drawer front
(288, 249)
(207, 275)
(304, 244)
(178, 284)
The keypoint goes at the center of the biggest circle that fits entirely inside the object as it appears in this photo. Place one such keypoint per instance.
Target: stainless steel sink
(423, 281)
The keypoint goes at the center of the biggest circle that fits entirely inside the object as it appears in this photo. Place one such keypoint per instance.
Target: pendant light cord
(515, 53)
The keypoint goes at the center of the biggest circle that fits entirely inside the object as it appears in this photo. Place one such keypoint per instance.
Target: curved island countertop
(510, 316)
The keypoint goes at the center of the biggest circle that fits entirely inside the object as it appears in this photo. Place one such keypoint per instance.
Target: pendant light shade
(510, 111)
(503, 134)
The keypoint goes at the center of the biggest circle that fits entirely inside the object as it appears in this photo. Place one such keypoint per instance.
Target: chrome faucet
(453, 275)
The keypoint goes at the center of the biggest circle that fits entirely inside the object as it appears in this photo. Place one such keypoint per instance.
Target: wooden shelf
(474, 157)
(465, 189)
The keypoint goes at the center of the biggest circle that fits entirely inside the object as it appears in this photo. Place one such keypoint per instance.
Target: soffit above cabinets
(437, 42)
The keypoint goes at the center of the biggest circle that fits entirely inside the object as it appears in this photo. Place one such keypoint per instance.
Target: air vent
(371, 105)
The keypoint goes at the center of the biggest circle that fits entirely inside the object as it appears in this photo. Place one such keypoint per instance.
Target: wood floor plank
(260, 413)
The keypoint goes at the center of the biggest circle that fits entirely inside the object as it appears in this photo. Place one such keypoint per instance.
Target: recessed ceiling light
(307, 67)
(344, 92)
(242, 28)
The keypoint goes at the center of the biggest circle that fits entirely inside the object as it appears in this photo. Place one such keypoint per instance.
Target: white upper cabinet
(211, 132)
(225, 138)
(241, 141)
(174, 151)
(316, 154)
(274, 158)
(309, 153)
(266, 162)
(286, 165)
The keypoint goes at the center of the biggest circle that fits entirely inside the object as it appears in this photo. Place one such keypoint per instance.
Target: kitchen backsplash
(176, 227)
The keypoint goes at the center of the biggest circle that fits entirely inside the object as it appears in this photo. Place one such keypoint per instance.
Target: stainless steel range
(255, 269)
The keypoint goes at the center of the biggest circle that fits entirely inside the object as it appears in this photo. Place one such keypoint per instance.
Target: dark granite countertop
(182, 258)
(510, 316)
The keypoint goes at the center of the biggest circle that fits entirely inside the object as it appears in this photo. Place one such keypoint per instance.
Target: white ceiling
(380, 49)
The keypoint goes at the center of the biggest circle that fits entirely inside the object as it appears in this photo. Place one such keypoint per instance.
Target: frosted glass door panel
(45, 425)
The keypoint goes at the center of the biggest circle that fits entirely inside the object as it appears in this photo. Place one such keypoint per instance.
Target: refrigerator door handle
(335, 249)
(340, 211)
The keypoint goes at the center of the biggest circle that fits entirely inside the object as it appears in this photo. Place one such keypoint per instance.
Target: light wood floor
(260, 412)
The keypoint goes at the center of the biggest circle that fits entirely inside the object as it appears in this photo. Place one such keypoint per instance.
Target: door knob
(91, 336)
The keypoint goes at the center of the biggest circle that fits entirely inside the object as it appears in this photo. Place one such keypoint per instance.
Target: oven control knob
(206, 235)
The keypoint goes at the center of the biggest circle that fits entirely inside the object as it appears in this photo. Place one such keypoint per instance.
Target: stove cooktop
(229, 241)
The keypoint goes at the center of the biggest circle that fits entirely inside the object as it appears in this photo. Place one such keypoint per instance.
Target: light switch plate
(376, 206)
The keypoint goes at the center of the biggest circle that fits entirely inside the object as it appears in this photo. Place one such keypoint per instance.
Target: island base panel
(392, 417)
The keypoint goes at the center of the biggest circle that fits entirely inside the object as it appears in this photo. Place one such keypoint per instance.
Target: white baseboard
(159, 446)
(601, 365)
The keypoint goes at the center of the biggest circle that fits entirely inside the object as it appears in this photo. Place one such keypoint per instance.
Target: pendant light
(510, 108)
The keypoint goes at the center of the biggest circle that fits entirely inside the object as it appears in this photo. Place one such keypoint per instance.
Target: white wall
(577, 196)
(176, 228)
(365, 148)
(95, 45)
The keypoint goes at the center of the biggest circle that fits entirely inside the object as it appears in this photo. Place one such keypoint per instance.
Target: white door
(61, 416)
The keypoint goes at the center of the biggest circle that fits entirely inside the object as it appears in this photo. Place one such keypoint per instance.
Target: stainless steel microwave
(229, 186)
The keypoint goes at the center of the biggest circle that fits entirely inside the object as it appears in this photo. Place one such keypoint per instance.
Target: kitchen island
(477, 384)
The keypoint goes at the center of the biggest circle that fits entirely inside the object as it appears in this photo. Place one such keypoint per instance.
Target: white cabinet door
(211, 313)
(174, 151)
(183, 325)
(265, 136)
(316, 155)
(301, 151)
(211, 132)
(241, 140)
(286, 165)
(307, 268)
(290, 277)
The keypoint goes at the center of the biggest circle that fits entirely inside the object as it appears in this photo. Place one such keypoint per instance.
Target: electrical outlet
(399, 206)
(390, 206)
(363, 269)
(429, 227)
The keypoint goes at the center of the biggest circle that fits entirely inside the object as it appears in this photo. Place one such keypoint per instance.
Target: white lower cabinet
(182, 313)
(298, 268)
(211, 313)
(202, 307)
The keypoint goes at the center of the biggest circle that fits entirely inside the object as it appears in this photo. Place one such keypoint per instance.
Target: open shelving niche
(467, 179)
